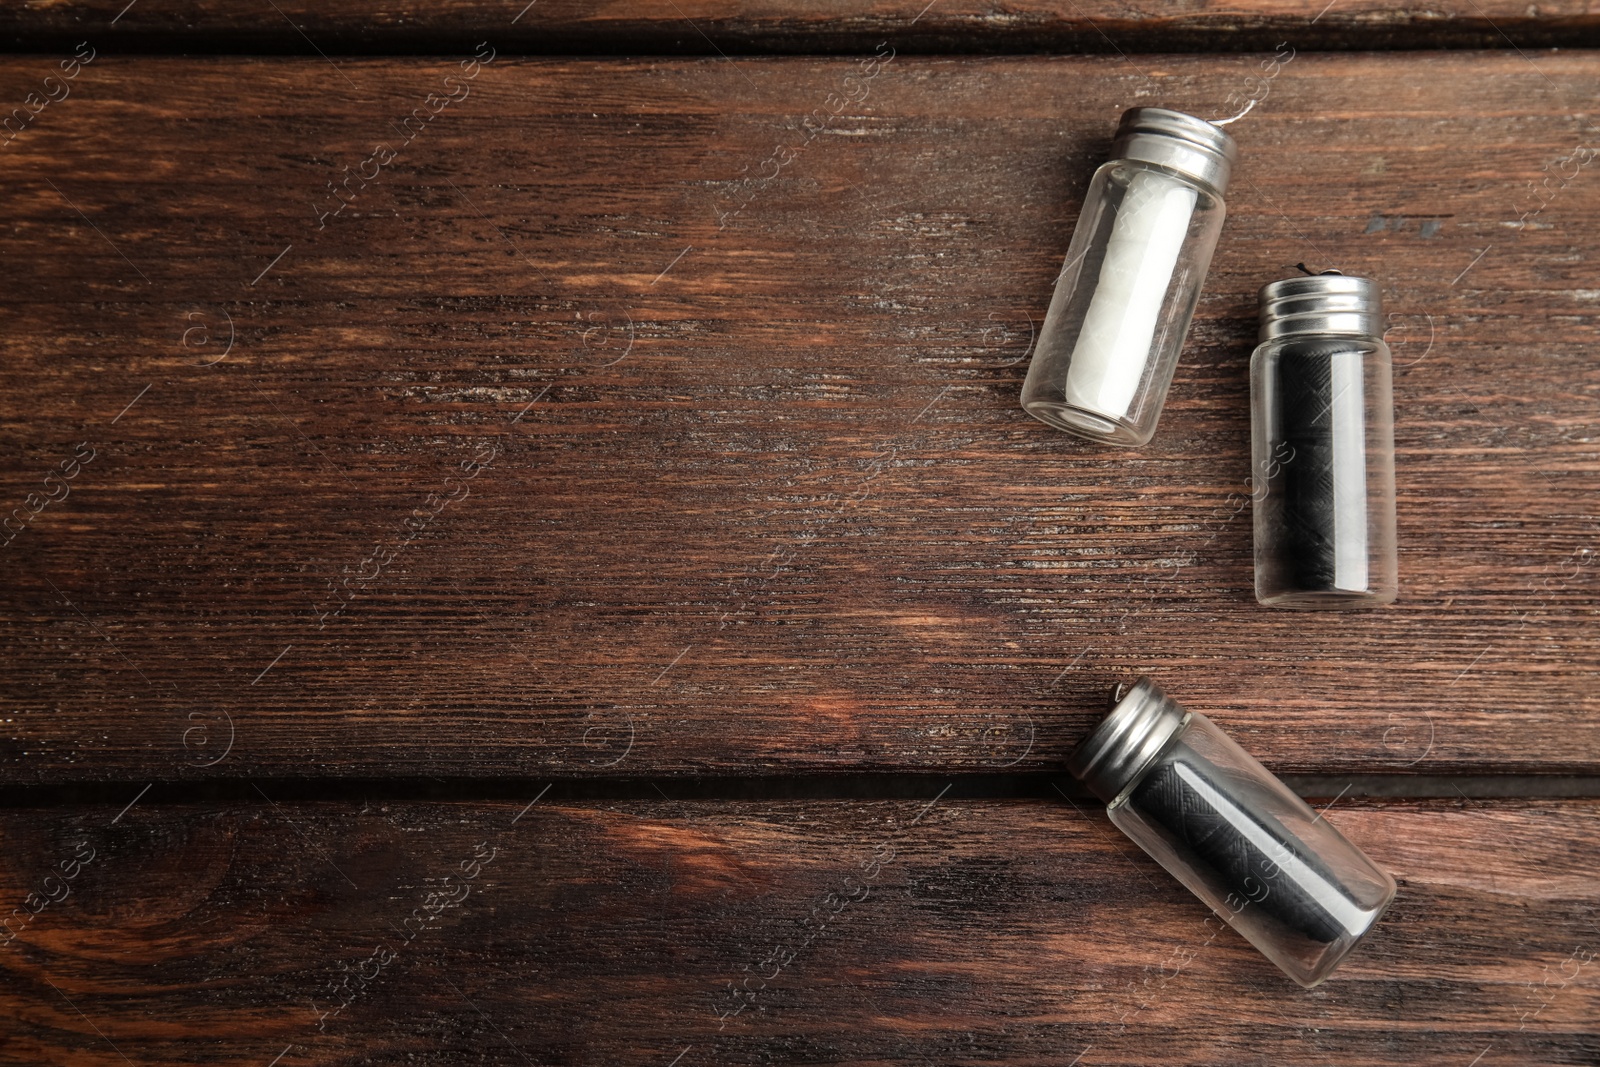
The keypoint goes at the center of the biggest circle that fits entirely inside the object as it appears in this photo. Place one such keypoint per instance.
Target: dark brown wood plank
(980, 931)
(707, 26)
(761, 498)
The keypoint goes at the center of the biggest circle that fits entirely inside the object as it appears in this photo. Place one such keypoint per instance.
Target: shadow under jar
(1124, 299)
(1322, 447)
(1225, 827)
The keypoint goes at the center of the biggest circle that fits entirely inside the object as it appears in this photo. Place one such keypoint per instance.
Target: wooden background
(730, 550)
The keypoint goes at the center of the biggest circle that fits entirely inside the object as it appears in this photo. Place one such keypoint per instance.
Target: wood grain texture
(956, 932)
(705, 26)
(758, 498)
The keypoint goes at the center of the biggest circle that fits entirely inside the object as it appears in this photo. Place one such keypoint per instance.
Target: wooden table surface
(523, 548)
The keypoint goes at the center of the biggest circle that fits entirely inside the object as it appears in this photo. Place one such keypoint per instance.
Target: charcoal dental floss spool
(1224, 826)
(1322, 446)
(1124, 299)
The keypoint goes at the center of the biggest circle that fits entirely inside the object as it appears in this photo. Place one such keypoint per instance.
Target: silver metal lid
(1321, 303)
(1190, 146)
(1141, 721)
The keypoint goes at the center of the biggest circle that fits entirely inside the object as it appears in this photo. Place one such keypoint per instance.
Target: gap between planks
(843, 787)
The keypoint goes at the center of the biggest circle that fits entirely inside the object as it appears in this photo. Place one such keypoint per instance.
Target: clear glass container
(1322, 447)
(1123, 301)
(1219, 822)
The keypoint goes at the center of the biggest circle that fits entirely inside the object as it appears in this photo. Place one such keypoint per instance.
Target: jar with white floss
(1124, 299)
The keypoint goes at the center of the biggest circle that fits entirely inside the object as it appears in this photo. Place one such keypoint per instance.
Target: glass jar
(1322, 446)
(1123, 301)
(1219, 822)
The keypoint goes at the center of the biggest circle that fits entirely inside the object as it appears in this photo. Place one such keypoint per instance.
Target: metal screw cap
(1134, 732)
(1321, 304)
(1191, 146)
